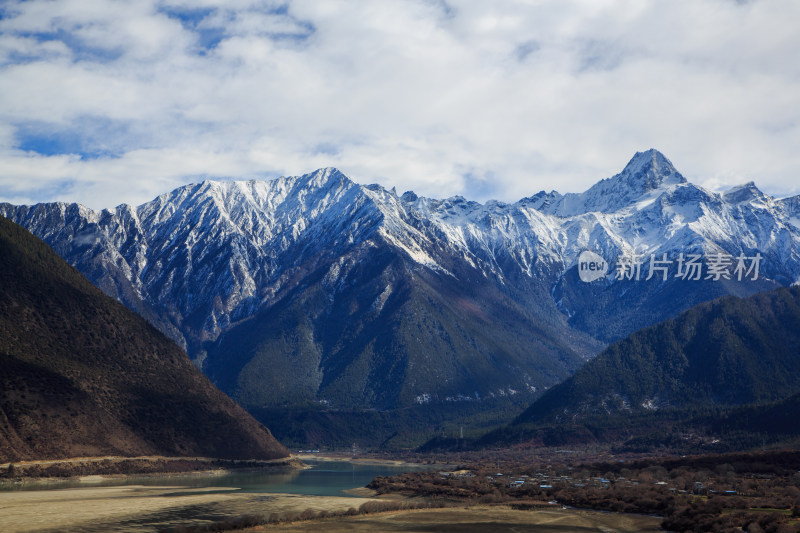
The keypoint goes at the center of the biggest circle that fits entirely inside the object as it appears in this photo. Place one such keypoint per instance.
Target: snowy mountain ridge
(269, 225)
(648, 208)
(205, 258)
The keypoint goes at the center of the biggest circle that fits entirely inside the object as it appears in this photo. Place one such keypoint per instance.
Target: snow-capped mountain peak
(747, 192)
(649, 170)
(643, 178)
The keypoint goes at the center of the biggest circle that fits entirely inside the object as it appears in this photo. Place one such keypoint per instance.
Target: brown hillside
(81, 375)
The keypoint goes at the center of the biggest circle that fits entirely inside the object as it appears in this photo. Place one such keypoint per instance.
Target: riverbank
(349, 457)
(81, 467)
(120, 467)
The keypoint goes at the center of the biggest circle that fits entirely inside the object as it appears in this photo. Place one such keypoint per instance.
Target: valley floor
(503, 490)
(479, 519)
(139, 508)
(148, 509)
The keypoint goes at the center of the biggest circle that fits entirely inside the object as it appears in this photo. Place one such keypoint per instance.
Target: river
(323, 478)
(150, 503)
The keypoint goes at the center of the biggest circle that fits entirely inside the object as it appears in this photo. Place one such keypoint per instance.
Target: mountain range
(315, 291)
(81, 375)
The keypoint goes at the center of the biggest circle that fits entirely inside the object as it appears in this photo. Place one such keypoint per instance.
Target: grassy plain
(478, 519)
(142, 509)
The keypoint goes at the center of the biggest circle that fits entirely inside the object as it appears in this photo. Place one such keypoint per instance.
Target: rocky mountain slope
(81, 375)
(314, 290)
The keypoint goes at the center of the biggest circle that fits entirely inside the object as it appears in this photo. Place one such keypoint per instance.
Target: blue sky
(107, 101)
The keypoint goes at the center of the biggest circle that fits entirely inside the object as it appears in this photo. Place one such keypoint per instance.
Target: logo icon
(591, 266)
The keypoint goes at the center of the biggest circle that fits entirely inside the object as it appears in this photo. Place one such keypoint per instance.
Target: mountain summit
(649, 170)
(646, 174)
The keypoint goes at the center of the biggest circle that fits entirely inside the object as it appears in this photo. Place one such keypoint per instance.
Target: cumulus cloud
(105, 102)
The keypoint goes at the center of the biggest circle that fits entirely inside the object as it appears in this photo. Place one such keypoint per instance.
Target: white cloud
(474, 98)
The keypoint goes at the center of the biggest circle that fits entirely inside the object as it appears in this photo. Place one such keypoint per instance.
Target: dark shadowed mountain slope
(724, 353)
(775, 420)
(81, 375)
(384, 334)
